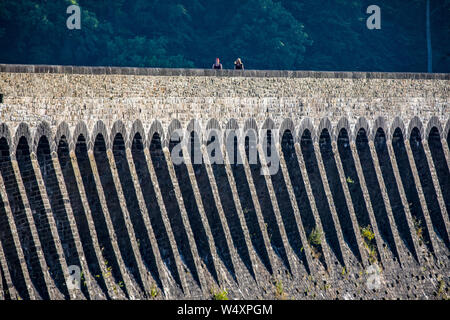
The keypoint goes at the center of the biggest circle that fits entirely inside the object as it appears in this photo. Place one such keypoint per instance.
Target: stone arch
(232, 125)
(99, 128)
(447, 128)
(119, 127)
(343, 123)
(22, 130)
(212, 124)
(195, 125)
(250, 124)
(415, 123)
(156, 127)
(5, 133)
(80, 129)
(306, 124)
(62, 130)
(325, 123)
(287, 124)
(268, 124)
(433, 122)
(175, 124)
(362, 123)
(397, 123)
(380, 122)
(137, 127)
(43, 129)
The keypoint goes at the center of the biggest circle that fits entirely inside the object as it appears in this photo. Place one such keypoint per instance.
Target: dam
(358, 207)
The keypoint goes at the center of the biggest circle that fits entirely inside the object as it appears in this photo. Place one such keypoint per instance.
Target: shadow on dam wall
(141, 226)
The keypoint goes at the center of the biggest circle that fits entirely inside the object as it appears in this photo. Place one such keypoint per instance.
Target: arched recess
(100, 129)
(5, 133)
(415, 123)
(231, 126)
(433, 123)
(397, 123)
(343, 123)
(43, 129)
(250, 125)
(174, 127)
(268, 124)
(195, 126)
(325, 123)
(212, 124)
(156, 127)
(119, 127)
(137, 128)
(380, 122)
(62, 131)
(361, 123)
(212, 129)
(286, 125)
(22, 130)
(306, 124)
(80, 130)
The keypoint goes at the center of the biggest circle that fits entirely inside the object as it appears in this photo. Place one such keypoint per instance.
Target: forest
(266, 34)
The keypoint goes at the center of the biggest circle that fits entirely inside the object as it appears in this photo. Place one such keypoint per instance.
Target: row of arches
(389, 128)
(64, 142)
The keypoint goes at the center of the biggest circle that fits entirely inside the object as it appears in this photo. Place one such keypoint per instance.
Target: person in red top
(217, 65)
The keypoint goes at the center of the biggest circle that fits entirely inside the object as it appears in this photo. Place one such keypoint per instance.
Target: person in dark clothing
(238, 65)
(217, 65)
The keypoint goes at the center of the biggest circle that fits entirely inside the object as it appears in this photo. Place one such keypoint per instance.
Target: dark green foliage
(265, 34)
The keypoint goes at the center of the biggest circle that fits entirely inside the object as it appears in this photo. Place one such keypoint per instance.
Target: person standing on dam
(238, 65)
(217, 64)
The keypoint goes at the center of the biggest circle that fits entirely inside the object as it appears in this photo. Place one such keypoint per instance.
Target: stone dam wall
(359, 208)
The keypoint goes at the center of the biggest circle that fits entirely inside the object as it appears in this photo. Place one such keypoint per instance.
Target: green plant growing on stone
(220, 295)
(154, 291)
(419, 229)
(279, 290)
(368, 237)
(314, 238)
(440, 292)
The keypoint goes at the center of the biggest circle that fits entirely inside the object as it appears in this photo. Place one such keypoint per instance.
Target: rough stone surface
(87, 179)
